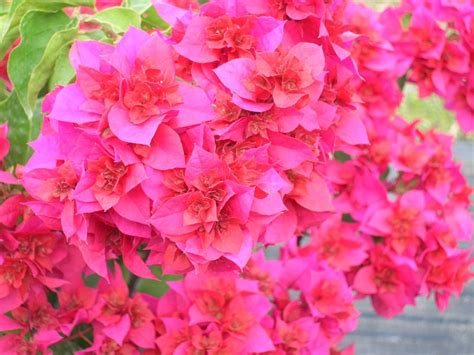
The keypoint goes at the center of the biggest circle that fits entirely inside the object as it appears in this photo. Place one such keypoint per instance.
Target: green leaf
(406, 20)
(58, 44)
(151, 20)
(346, 217)
(10, 29)
(156, 288)
(63, 72)
(139, 6)
(341, 156)
(401, 81)
(30, 63)
(22, 130)
(119, 19)
(65, 348)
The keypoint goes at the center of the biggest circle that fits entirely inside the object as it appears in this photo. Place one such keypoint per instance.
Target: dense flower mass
(191, 151)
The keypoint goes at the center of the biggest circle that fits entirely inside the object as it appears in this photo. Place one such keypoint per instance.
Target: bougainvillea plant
(228, 177)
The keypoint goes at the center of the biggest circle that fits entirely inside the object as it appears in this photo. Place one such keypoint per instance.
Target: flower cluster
(436, 39)
(248, 124)
(200, 165)
(402, 201)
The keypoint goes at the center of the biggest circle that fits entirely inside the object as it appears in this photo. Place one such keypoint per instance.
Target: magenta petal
(7, 323)
(166, 150)
(317, 197)
(133, 260)
(126, 51)
(168, 218)
(143, 336)
(130, 228)
(10, 210)
(233, 75)
(136, 174)
(364, 281)
(380, 221)
(193, 45)
(168, 11)
(251, 106)
(201, 161)
(195, 109)
(126, 131)
(105, 200)
(157, 54)
(311, 55)
(94, 256)
(268, 32)
(10, 302)
(89, 54)
(241, 259)
(7, 178)
(284, 99)
(134, 206)
(288, 152)
(351, 130)
(282, 229)
(119, 330)
(67, 106)
(258, 341)
(413, 199)
(270, 205)
(68, 219)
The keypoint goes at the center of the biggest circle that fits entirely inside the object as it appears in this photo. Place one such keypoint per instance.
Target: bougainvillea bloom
(235, 182)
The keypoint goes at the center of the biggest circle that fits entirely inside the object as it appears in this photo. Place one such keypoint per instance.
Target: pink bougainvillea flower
(403, 224)
(448, 277)
(121, 317)
(208, 39)
(310, 192)
(133, 85)
(105, 182)
(209, 214)
(229, 311)
(174, 10)
(392, 281)
(327, 294)
(287, 79)
(10, 210)
(28, 259)
(428, 36)
(337, 243)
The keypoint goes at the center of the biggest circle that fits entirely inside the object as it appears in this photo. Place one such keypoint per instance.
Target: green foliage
(22, 129)
(151, 20)
(63, 72)
(406, 20)
(139, 6)
(341, 156)
(43, 35)
(118, 19)
(156, 288)
(10, 25)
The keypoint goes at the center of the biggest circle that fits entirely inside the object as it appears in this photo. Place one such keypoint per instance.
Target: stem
(80, 334)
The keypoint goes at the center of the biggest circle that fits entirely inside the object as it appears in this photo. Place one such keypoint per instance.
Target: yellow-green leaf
(31, 63)
(10, 29)
(119, 19)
